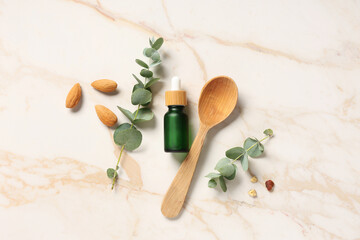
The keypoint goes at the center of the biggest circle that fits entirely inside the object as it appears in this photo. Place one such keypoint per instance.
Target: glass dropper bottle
(176, 123)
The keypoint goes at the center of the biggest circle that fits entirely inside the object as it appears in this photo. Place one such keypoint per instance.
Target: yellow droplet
(252, 193)
(254, 179)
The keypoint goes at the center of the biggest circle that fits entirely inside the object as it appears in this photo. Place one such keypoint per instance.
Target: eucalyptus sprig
(226, 169)
(127, 135)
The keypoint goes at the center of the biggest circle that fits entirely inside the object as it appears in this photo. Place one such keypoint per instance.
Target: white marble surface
(297, 66)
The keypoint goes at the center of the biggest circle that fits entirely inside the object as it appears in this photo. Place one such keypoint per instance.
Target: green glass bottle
(176, 123)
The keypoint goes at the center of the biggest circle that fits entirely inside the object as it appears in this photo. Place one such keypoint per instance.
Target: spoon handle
(176, 194)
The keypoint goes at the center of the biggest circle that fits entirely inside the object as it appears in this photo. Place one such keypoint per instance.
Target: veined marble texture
(297, 67)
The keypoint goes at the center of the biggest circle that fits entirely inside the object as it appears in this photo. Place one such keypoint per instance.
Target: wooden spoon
(217, 100)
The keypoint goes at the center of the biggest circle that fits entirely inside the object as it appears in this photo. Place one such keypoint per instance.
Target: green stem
(137, 111)
(117, 165)
(249, 149)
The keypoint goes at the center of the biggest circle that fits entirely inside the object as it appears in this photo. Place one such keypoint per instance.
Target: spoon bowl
(217, 100)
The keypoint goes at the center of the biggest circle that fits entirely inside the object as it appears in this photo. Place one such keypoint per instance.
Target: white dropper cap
(175, 83)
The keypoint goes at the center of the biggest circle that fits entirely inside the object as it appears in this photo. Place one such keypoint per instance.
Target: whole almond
(104, 85)
(105, 115)
(73, 96)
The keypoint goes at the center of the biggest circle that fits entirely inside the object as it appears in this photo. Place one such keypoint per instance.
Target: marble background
(297, 66)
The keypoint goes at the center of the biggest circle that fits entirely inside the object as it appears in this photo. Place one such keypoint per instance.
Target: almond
(104, 85)
(73, 96)
(105, 115)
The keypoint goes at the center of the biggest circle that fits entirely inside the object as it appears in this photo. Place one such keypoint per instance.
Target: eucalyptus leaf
(151, 42)
(245, 162)
(141, 96)
(146, 73)
(213, 175)
(212, 183)
(144, 114)
(225, 167)
(148, 52)
(127, 113)
(222, 162)
(222, 183)
(137, 86)
(233, 175)
(151, 82)
(138, 80)
(146, 104)
(158, 43)
(111, 173)
(131, 138)
(153, 64)
(141, 63)
(155, 57)
(121, 128)
(235, 152)
(268, 132)
(253, 147)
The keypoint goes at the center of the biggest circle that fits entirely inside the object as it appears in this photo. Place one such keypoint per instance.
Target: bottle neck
(177, 108)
